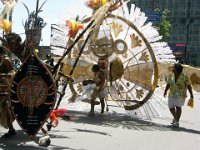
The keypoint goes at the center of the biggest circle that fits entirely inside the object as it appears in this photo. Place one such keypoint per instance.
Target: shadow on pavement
(182, 129)
(117, 120)
(61, 148)
(16, 142)
(91, 131)
(21, 142)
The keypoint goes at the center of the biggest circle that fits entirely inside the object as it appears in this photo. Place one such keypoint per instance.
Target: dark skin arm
(190, 91)
(166, 89)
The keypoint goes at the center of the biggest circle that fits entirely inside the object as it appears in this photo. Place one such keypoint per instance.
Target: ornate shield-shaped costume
(33, 95)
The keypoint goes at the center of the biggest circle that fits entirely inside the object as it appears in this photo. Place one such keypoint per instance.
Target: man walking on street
(178, 84)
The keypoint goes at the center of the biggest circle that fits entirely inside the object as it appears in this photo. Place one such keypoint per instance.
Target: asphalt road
(116, 130)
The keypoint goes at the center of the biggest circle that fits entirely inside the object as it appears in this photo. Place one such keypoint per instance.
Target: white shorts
(174, 101)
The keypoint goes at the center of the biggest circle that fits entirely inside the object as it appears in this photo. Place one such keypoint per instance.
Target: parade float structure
(131, 46)
(138, 61)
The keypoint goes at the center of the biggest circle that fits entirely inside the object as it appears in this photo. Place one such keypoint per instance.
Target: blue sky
(53, 10)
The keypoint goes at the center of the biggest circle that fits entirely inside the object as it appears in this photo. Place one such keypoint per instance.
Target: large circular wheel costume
(131, 46)
(133, 68)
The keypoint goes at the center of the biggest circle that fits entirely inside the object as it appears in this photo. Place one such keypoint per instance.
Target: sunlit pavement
(115, 130)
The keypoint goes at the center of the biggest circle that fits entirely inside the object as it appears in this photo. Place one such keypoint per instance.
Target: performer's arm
(166, 89)
(190, 91)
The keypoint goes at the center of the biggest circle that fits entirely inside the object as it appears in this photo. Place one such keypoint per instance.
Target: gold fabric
(6, 116)
(193, 73)
(5, 82)
(140, 74)
(117, 69)
(81, 72)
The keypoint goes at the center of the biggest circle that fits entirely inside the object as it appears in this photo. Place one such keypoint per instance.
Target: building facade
(184, 16)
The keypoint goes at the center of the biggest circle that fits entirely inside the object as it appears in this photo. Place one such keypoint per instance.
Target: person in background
(49, 60)
(99, 80)
(178, 84)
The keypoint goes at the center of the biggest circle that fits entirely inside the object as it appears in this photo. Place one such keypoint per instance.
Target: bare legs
(93, 104)
(102, 105)
(91, 113)
(176, 112)
(173, 112)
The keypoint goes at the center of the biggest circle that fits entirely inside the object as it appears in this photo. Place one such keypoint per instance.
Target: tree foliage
(164, 26)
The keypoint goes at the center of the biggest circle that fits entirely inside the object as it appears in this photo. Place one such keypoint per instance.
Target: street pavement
(117, 129)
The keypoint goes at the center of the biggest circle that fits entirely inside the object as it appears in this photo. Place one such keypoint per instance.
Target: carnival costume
(6, 74)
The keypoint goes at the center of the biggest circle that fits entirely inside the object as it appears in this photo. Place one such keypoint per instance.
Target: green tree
(164, 26)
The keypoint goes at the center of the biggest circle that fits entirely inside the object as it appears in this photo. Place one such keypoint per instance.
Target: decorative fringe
(55, 114)
(6, 116)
